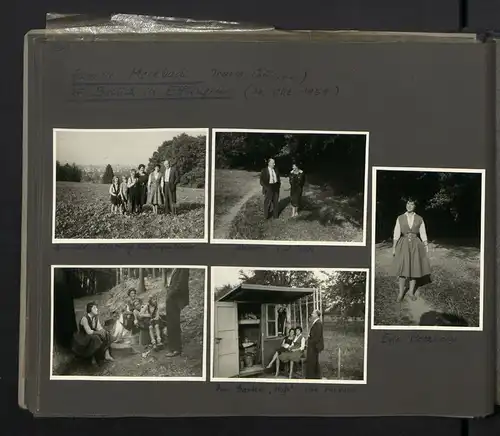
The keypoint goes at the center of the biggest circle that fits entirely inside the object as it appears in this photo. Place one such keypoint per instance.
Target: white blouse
(411, 218)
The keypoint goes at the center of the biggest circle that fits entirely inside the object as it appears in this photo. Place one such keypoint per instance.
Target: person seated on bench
(296, 350)
(126, 320)
(151, 316)
(92, 341)
(285, 345)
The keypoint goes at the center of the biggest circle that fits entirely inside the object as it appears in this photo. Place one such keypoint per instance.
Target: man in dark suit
(315, 346)
(177, 284)
(170, 180)
(271, 183)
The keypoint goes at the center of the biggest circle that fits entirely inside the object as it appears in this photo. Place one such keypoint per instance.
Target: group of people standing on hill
(158, 188)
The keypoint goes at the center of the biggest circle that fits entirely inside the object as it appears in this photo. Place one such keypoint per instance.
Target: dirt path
(224, 225)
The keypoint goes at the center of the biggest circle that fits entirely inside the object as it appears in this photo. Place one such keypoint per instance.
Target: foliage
(222, 290)
(338, 160)
(344, 293)
(188, 154)
(68, 173)
(299, 279)
(108, 175)
(83, 211)
(450, 203)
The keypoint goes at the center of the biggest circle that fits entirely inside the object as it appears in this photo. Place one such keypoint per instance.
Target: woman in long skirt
(132, 185)
(297, 180)
(155, 189)
(92, 341)
(410, 251)
(142, 187)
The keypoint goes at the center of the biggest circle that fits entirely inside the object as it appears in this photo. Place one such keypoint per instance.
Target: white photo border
(203, 376)
(278, 242)
(364, 381)
(203, 240)
(482, 172)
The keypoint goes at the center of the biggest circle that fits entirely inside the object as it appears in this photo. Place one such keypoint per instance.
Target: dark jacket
(174, 177)
(178, 290)
(315, 340)
(265, 177)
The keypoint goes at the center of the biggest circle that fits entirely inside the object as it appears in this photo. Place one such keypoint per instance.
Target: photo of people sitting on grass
(289, 187)
(272, 325)
(128, 322)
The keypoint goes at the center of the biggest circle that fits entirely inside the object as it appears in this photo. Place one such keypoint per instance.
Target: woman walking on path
(410, 251)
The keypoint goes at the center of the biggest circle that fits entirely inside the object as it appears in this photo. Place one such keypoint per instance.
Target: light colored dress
(155, 189)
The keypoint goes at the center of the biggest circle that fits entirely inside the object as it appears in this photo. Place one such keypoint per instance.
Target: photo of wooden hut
(253, 318)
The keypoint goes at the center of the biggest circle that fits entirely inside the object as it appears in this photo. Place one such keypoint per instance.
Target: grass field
(83, 212)
(239, 214)
(349, 338)
(454, 291)
(130, 362)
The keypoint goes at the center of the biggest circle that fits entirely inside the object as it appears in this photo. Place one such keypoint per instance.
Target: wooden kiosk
(250, 322)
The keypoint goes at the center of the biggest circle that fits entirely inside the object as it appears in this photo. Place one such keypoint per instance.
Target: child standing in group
(114, 191)
(123, 195)
(151, 312)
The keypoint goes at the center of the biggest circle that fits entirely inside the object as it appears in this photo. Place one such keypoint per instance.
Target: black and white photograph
(281, 187)
(129, 186)
(289, 325)
(428, 242)
(129, 323)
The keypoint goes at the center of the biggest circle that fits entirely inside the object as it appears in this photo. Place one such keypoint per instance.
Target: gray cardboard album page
(258, 223)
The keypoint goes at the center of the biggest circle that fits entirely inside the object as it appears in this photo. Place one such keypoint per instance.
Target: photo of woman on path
(428, 263)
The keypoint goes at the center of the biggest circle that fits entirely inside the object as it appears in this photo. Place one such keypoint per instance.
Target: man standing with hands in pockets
(271, 183)
(170, 182)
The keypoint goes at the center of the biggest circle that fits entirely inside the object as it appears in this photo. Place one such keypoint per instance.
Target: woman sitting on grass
(92, 341)
(151, 316)
(285, 345)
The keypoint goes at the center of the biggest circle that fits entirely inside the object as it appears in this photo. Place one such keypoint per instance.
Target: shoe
(173, 354)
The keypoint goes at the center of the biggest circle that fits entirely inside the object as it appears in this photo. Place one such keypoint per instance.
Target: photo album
(266, 223)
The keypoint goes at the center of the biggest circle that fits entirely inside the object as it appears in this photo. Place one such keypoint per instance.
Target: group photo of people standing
(101, 194)
(289, 187)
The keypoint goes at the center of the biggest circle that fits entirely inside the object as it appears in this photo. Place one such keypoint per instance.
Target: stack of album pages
(258, 223)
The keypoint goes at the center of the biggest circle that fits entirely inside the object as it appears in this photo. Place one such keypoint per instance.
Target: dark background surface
(21, 16)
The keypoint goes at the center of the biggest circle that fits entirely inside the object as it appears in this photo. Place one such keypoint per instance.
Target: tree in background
(344, 293)
(108, 175)
(450, 203)
(299, 279)
(222, 290)
(141, 287)
(68, 173)
(336, 160)
(188, 154)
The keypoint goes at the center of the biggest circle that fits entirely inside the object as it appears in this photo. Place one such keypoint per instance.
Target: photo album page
(277, 224)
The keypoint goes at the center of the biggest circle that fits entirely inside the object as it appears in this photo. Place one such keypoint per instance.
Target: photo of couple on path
(130, 185)
(295, 186)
